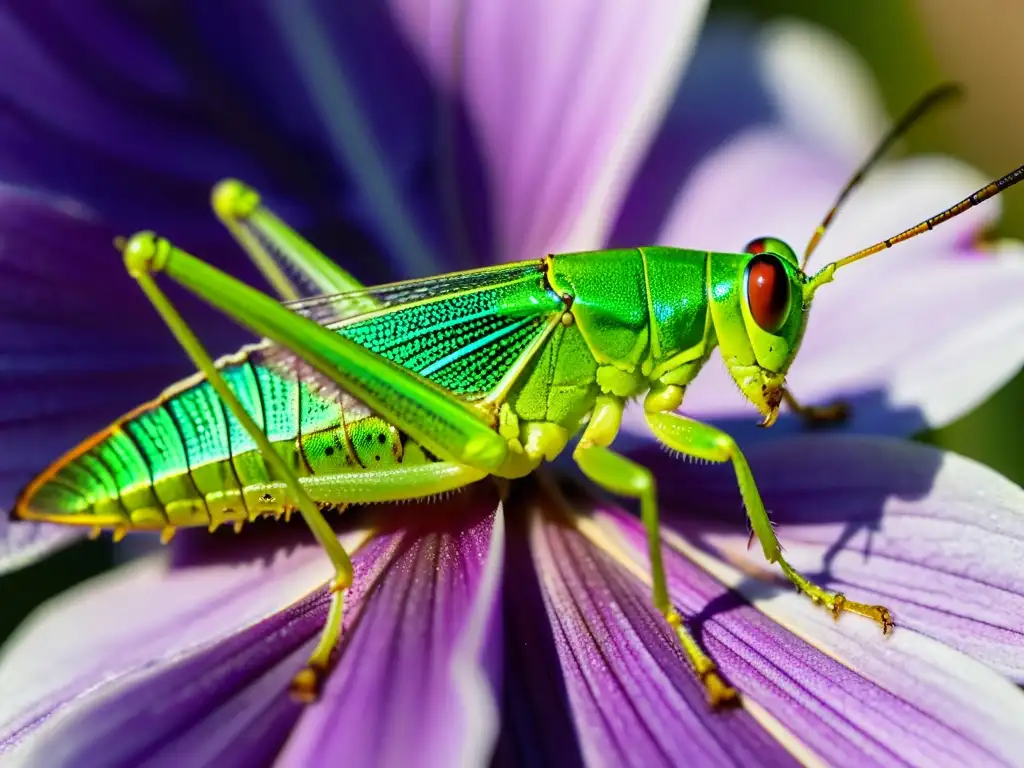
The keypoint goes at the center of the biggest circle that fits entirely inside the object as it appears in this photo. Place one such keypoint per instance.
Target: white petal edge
(23, 543)
(822, 88)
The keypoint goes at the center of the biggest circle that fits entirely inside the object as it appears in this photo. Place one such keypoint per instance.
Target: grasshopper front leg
(705, 442)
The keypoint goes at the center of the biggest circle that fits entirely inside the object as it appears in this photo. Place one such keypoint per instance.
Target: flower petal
(226, 704)
(138, 110)
(417, 676)
(222, 700)
(936, 537)
(151, 610)
(564, 98)
(331, 49)
(23, 543)
(834, 693)
(117, 131)
(537, 722)
(720, 94)
(224, 696)
(795, 183)
(821, 87)
(635, 700)
(916, 308)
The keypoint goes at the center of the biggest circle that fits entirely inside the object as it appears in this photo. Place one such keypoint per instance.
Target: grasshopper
(414, 388)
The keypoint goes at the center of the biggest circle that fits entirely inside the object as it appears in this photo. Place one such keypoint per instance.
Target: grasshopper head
(759, 299)
(758, 309)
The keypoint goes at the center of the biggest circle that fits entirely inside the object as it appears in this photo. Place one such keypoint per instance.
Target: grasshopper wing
(468, 333)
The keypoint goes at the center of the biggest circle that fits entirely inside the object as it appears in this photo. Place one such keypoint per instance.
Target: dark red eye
(768, 292)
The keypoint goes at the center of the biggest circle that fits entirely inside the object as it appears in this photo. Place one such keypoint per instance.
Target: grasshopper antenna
(933, 98)
(983, 194)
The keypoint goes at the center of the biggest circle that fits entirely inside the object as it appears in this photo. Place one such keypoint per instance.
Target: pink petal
(884, 333)
(837, 693)
(822, 89)
(564, 98)
(633, 697)
(936, 537)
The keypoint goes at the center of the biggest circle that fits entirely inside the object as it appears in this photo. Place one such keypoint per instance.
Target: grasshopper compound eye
(768, 291)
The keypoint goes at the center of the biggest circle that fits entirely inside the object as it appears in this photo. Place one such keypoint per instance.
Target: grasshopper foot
(305, 686)
(720, 694)
(836, 602)
(878, 613)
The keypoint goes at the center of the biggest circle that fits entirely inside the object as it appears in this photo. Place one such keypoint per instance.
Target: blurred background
(910, 46)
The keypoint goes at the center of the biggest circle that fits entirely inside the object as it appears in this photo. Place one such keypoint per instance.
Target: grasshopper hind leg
(290, 263)
(469, 447)
(139, 254)
(305, 686)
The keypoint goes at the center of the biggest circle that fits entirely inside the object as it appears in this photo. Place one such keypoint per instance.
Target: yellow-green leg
(704, 441)
(306, 683)
(271, 244)
(619, 475)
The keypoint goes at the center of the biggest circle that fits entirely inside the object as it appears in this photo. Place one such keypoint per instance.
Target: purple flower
(523, 631)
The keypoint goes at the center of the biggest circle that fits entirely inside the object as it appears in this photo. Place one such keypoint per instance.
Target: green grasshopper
(415, 388)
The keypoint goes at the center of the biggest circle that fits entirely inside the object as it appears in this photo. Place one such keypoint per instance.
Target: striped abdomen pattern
(185, 460)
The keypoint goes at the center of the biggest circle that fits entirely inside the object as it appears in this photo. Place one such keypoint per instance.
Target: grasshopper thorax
(758, 310)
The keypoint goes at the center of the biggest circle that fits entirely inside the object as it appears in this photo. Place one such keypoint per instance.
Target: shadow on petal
(845, 482)
(851, 475)
(716, 400)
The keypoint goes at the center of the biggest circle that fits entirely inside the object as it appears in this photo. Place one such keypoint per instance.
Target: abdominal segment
(185, 460)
